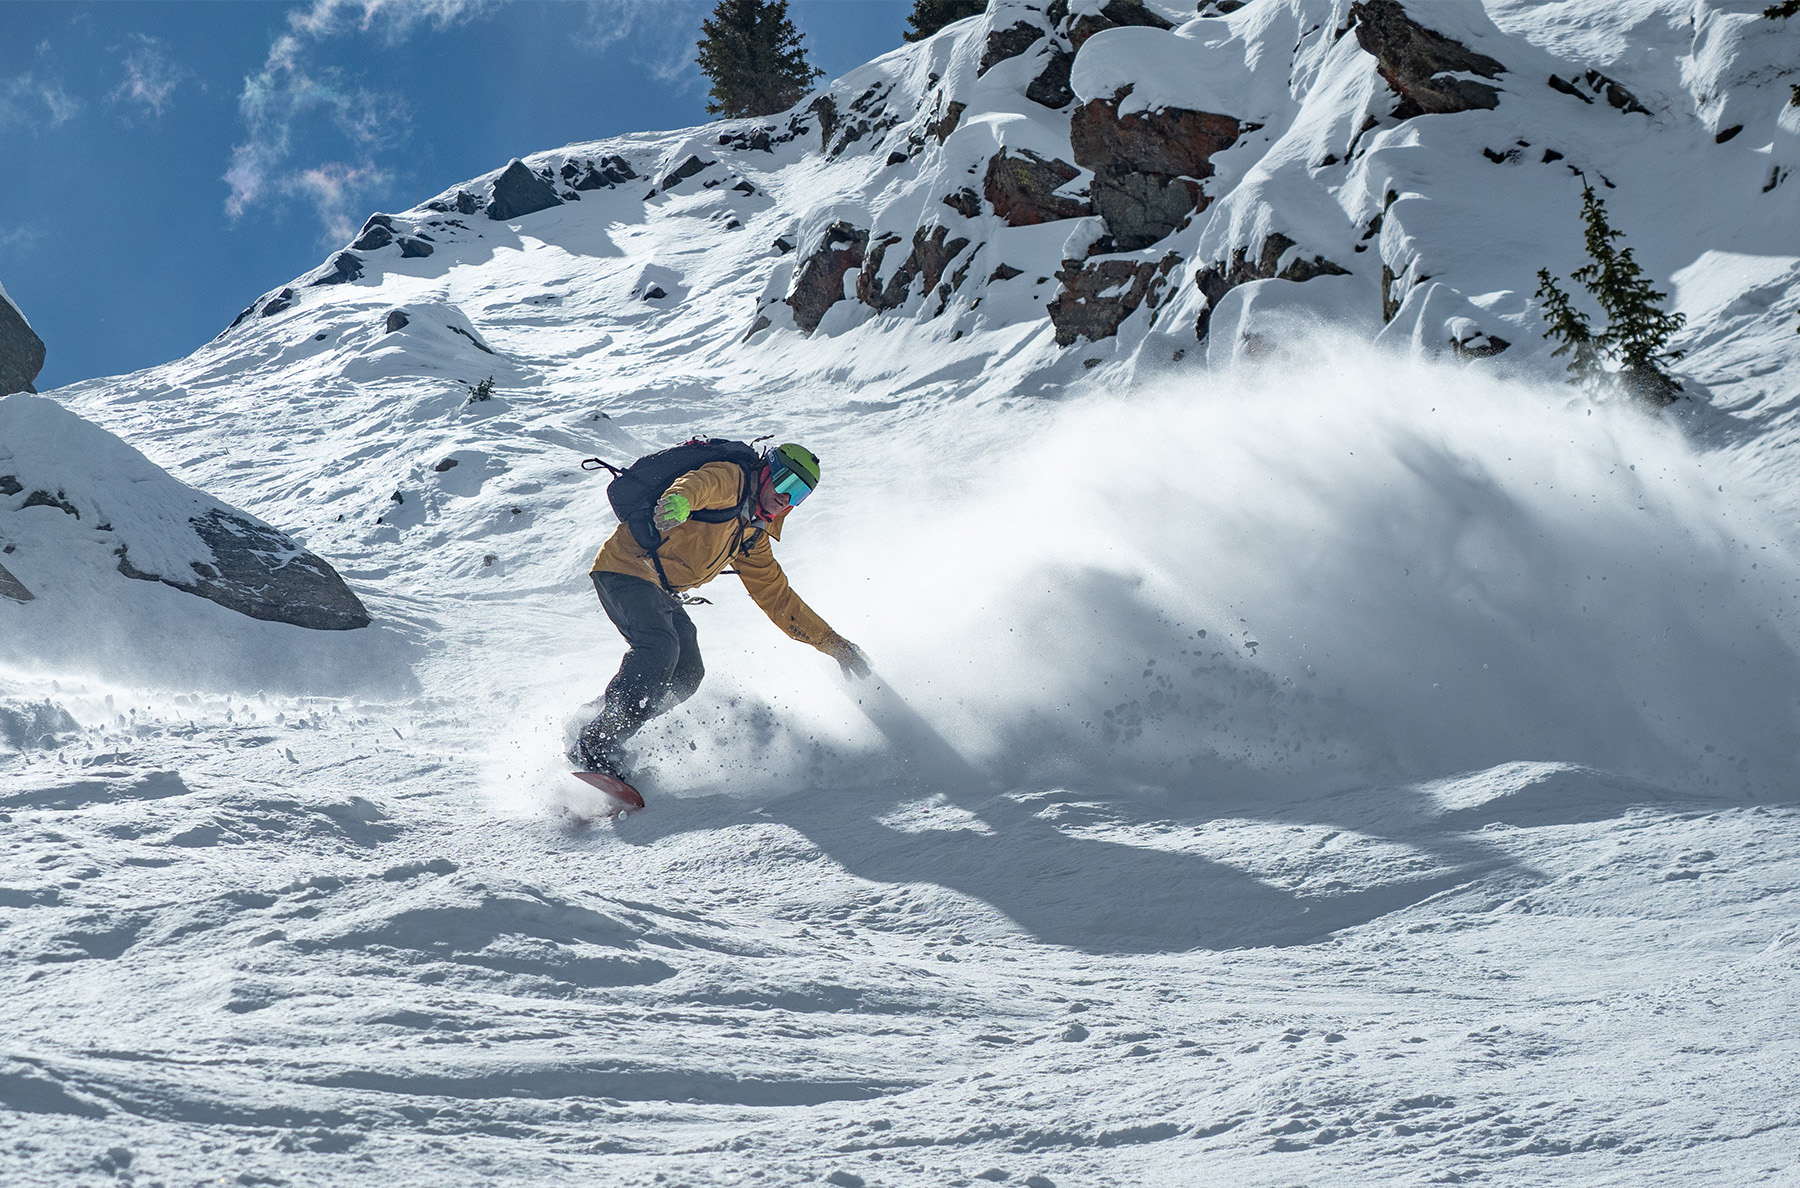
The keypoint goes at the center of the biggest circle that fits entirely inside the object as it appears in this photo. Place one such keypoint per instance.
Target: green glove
(671, 510)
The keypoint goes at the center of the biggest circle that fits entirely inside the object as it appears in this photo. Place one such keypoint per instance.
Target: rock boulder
(21, 350)
(519, 192)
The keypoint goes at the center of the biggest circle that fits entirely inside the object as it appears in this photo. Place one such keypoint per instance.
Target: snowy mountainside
(1322, 757)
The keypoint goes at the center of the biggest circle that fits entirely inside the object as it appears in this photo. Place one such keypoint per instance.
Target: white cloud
(336, 191)
(664, 32)
(151, 75)
(394, 19)
(292, 89)
(37, 98)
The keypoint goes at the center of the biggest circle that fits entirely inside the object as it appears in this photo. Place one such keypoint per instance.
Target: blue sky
(167, 163)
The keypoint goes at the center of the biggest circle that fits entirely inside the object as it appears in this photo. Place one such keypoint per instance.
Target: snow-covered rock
(74, 498)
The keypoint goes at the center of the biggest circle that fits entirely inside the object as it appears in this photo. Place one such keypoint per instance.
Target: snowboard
(621, 795)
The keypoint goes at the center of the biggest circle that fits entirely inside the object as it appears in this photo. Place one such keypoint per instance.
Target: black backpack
(635, 490)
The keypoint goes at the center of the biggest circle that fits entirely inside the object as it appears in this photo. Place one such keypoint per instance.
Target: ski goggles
(789, 483)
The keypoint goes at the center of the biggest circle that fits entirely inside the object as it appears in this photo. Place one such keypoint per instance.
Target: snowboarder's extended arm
(768, 586)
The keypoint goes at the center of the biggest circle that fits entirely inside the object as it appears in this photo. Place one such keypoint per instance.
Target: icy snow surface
(1348, 766)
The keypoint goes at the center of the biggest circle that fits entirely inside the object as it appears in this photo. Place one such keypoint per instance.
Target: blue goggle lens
(792, 485)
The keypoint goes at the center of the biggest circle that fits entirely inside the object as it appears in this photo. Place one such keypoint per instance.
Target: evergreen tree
(1637, 328)
(752, 54)
(928, 16)
(1569, 326)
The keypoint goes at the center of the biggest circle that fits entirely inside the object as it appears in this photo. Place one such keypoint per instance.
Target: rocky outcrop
(519, 192)
(1097, 296)
(1022, 189)
(683, 171)
(819, 281)
(1007, 43)
(945, 124)
(1147, 165)
(1594, 85)
(1422, 66)
(378, 232)
(965, 202)
(1114, 14)
(341, 269)
(1218, 279)
(462, 202)
(932, 251)
(609, 172)
(21, 350)
(259, 572)
(11, 587)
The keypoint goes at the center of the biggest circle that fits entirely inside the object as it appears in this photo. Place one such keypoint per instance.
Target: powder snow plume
(1363, 568)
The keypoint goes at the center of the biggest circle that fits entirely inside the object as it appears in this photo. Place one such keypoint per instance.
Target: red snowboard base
(621, 793)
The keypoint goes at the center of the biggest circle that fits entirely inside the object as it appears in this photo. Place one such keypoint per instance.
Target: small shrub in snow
(481, 391)
(752, 54)
(1638, 329)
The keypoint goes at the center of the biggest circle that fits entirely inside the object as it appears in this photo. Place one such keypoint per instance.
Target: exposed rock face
(682, 172)
(1593, 84)
(462, 203)
(21, 351)
(611, 171)
(932, 251)
(341, 269)
(819, 282)
(1051, 87)
(1099, 295)
(965, 202)
(1147, 165)
(1421, 65)
(378, 232)
(11, 587)
(396, 320)
(1022, 189)
(261, 573)
(1007, 43)
(412, 246)
(1218, 279)
(945, 124)
(519, 192)
(1114, 14)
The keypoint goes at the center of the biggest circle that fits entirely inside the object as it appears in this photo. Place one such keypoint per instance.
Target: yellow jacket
(693, 553)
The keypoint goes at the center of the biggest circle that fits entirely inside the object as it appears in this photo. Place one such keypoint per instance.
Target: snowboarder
(718, 514)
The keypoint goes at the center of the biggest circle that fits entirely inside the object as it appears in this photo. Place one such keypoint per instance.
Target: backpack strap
(718, 515)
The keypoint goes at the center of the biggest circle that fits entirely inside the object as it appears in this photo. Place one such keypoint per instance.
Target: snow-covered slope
(1303, 760)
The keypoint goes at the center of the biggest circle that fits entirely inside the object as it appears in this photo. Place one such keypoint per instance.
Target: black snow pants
(661, 669)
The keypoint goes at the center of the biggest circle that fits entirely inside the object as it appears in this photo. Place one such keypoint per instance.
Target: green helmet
(798, 460)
